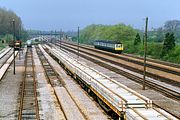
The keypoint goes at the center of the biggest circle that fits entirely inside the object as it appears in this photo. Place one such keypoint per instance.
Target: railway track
(28, 106)
(4, 52)
(154, 61)
(70, 64)
(138, 57)
(6, 61)
(155, 66)
(158, 87)
(133, 56)
(4, 57)
(55, 81)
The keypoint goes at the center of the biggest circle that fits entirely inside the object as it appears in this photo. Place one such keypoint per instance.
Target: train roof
(108, 41)
(28, 41)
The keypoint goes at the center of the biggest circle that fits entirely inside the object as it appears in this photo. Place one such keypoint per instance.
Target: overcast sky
(68, 14)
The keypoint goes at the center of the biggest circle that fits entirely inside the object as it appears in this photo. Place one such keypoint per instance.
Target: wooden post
(78, 41)
(145, 50)
(14, 43)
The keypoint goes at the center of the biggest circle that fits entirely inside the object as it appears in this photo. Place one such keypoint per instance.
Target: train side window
(100, 43)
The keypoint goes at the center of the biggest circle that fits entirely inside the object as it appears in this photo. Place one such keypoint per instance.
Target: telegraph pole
(14, 43)
(60, 37)
(55, 37)
(78, 41)
(51, 35)
(145, 50)
(20, 41)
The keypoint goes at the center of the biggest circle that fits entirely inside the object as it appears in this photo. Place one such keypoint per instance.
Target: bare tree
(172, 25)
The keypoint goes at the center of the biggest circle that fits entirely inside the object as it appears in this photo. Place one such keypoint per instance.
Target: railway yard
(64, 81)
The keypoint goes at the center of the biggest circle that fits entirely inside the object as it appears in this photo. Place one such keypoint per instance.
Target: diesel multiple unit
(108, 45)
(29, 43)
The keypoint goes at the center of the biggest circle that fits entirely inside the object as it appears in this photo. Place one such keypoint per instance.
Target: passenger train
(109, 45)
(18, 45)
(29, 43)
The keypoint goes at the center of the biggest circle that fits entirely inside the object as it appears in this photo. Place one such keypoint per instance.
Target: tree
(169, 43)
(6, 17)
(137, 40)
(160, 35)
(119, 32)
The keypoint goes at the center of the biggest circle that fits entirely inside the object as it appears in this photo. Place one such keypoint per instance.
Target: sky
(69, 14)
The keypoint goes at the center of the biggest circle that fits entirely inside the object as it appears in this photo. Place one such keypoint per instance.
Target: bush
(173, 55)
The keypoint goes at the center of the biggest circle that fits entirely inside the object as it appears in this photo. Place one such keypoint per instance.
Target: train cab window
(118, 45)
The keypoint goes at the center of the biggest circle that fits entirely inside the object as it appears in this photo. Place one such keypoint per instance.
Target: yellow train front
(109, 45)
(18, 45)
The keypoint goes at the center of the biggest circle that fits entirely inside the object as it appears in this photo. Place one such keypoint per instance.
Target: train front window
(118, 45)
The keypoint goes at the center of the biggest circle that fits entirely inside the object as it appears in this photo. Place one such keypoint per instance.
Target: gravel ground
(9, 89)
(68, 105)
(87, 105)
(166, 103)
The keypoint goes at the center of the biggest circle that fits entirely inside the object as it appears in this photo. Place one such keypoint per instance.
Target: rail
(28, 107)
(159, 87)
(109, 87)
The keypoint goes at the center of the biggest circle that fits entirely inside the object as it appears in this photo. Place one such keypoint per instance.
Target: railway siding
(6, 65)
(136, 65)
(70, 109)
(166, 103)
(66, 60)
(106, 86)
(4, 52)
(86, 105)
(48, 105)
(9, 89)
(28, 106)
(130, 57)
(162, 87)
